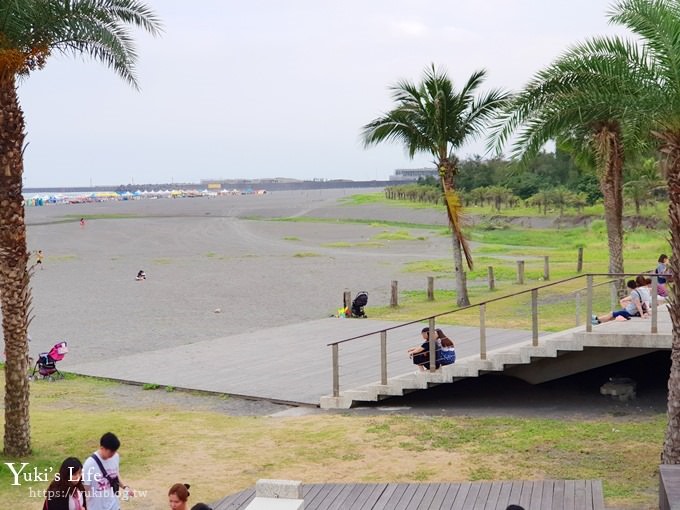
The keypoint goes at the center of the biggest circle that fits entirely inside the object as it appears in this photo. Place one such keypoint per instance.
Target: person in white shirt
(101, 473)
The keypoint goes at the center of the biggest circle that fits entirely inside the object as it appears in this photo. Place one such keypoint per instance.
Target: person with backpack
(101, 475)
(67, 492)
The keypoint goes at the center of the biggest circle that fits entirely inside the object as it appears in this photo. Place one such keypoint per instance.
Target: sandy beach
(202, 255)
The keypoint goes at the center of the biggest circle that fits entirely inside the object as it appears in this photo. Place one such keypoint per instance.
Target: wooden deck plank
(494, 492)
(391, 502)
(515, 493)
(471, 495)
(461, 495)
(504, 495)
(327, 495)
(353, 499)
(444, 500)
(406, 497)
(569, 487)
(547, 495)
(430, 493)
(579, 494)
(536, 496)
(340, 500)
(310, 492)
(598, 495)
(370, 499)
(558, 495)
(525, 495)
(385, 496)
(589, 495)
(482, 496)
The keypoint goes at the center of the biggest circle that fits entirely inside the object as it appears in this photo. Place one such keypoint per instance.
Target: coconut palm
(435, 118)
(586, 103)
(30, 32)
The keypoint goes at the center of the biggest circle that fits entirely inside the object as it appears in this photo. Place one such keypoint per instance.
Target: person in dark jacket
(66, 492)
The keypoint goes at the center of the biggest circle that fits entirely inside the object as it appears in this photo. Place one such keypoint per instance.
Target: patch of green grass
(338, 244)
(149, 386)
(61, 258)
(170, 389)
(291, 238)
(400, 235)
(304, 254)
(162, 261)
(211, 254)
(360, 244)
(352, 221)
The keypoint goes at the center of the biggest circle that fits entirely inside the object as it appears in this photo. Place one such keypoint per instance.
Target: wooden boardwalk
(286, 364)
(532, 495)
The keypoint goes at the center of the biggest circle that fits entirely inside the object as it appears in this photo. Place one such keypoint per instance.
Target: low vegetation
(164, 442)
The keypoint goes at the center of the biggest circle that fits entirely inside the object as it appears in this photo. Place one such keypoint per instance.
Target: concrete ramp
(557, 355)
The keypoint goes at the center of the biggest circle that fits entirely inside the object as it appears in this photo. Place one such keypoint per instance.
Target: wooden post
(433, 346)
(655, 304)
(492, 282)
(383, 358)
(546, 268)
(482, 331)
(579, 261)
(534, 317)
(520, 272)
(336, 371)
(430, 288)
(589, 303)
(347, 300)
(394, 295)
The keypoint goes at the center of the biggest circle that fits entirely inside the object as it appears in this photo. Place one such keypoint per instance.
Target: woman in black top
(66, 492)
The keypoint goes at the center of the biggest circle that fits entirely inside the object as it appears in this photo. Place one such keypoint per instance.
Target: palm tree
(652, 62)
(587, 104)
(30, 32)
(642, 181)
(434, 118)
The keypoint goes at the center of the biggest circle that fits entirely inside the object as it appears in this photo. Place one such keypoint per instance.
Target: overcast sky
(269, 88)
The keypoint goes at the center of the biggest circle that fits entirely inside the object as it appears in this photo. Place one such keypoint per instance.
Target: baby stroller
(46, 366)
(358, 304)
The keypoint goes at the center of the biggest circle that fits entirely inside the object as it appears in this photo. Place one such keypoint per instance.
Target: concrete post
(336, 371)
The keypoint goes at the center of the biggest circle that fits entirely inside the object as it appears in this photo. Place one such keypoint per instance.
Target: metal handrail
(482, 322)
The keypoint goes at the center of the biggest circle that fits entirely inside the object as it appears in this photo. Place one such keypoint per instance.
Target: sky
(277, 88)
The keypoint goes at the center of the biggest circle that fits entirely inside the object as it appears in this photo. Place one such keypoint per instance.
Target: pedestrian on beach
(101, 475)
(178, 496)
(141, 275)
(421, 353)
(82, 222)
(67, 492)
(39, 258)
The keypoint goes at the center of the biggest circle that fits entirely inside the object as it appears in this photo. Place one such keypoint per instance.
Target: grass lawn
(164, 443)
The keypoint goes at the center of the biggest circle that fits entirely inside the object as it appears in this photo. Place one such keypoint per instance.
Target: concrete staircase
(525, 361)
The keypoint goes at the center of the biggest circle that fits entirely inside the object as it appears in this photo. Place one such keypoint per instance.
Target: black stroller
(358, 304)
(46, 366)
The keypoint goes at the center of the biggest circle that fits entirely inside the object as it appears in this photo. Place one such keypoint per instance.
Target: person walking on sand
(82, 222)
(101, 475)
(39, 258)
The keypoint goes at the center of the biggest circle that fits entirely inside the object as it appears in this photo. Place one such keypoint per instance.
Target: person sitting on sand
(421, 353)
(632, 307)
(448, 350)
(141, 275)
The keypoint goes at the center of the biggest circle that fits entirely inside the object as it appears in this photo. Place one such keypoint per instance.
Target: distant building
(413, 174)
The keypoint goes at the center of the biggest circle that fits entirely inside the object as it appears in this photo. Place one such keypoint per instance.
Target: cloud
(409, 29)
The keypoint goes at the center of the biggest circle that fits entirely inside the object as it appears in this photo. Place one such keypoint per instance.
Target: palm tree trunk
(611, 184)
(671, 445)
(447, 171)
(14, 277)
